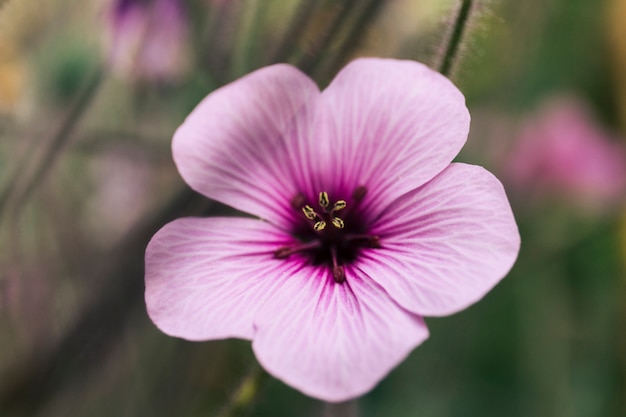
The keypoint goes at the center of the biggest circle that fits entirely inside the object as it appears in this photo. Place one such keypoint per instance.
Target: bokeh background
(91, 92)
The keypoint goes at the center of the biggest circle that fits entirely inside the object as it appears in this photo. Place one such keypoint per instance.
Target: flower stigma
(332, 234)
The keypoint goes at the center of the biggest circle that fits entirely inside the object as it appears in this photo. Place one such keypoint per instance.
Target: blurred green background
(86, 178)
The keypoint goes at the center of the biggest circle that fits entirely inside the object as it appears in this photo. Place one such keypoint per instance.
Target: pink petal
(446, 244)
(333, 341)
(205, 278)
(392, 126)
(238, 145)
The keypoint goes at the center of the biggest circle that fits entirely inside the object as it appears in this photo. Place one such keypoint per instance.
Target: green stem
(246, 393)
(458, 31)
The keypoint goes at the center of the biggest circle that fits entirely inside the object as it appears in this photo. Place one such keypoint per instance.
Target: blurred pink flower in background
(563, 152)
(365, 224)
(148, 39)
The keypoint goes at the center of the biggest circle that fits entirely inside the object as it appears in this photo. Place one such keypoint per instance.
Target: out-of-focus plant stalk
(244, 51)
(295, 31)
(326, 69)
(32, 170)
(337, 17)
(216, 51)
(345, 409)
(450, 49)
(246, 393)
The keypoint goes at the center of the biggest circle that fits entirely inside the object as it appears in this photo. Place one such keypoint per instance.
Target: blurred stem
(339, 12)
(220, 40)
(246, 393)
(345, 409)
(458, 30)
(32, 169)
(294, 32)
(249, 29)
(367, 14)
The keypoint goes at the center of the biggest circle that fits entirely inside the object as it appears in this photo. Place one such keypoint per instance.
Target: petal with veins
(333, 341)
(446, 244)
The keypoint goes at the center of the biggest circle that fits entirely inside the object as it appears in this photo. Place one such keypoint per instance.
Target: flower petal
(238, 145)
(333, 341)
(446, 244)
(391, 126)
(205, 278)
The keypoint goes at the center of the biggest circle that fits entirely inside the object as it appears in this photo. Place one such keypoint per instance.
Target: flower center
(332, 233)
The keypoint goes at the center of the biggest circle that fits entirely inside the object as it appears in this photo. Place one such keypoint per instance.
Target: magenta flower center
(332, 232)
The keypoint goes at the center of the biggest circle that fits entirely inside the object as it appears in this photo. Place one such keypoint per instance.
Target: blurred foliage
(86, 178)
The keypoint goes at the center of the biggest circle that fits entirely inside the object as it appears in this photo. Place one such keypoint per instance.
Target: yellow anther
(324, 202)
(321, 225)
(338, 223)
(309, 212)
(339, 205)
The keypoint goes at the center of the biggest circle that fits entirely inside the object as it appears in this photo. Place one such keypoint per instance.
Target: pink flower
(563, 151)
(148, 39)
(365, 225)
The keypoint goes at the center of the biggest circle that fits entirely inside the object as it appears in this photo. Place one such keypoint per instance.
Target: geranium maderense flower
(365, 225)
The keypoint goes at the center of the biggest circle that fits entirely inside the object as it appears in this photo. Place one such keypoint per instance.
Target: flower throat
(332, 234)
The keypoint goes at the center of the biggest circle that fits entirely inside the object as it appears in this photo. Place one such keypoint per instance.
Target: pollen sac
(339, 205)
(324, 201)
(309, 212)
(321, 225)
(338, 223)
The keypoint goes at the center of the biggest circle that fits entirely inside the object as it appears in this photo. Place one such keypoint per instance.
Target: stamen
(321, 225)
(359, 193)
(373, 241)
(309, 212)
(338, 223)
(330, 246)
(285, 251)
(339, 273)
(324, 201)
(339, 205)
